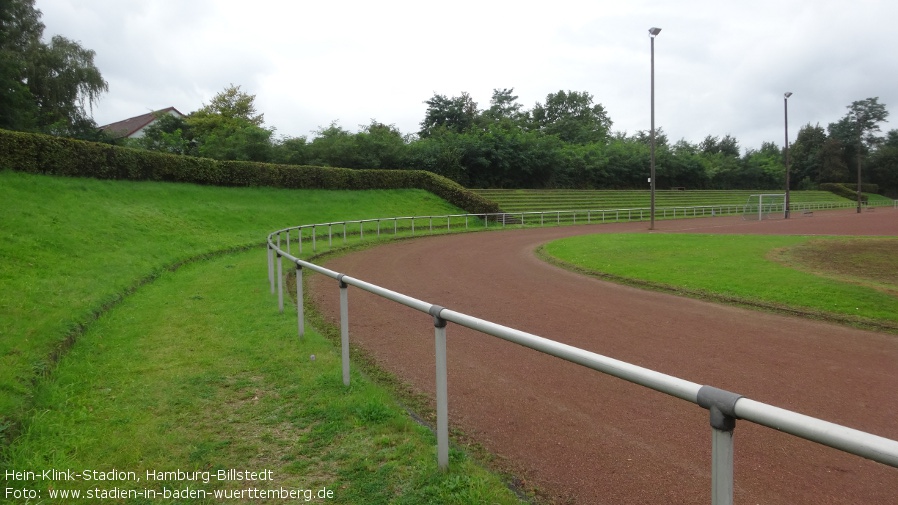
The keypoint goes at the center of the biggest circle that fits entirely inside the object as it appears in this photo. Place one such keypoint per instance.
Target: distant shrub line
(847, 190)
(44, 154)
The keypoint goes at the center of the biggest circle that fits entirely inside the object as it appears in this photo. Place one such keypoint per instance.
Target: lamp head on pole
(654, 31)
(787, 94)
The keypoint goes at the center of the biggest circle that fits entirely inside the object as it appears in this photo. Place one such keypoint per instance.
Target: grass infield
(849, 280)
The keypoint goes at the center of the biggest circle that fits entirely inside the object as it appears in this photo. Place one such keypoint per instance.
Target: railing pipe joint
(721, 404)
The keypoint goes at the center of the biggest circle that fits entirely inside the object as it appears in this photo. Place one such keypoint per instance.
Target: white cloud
(721, 68)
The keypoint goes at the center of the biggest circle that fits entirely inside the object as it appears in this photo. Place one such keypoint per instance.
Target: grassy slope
(195, 370)
(736, 268)
(71, 246)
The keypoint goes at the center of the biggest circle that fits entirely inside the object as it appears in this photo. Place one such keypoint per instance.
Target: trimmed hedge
(848, 190)
(44, 154)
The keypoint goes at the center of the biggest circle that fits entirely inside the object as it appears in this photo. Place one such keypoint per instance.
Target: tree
(457, 114)
(884, 165)
(380, 146)
(572, 117)
(229, 128)
(856, 133)
(64, 82)
(832, 162)
(233, 104)
(726, 146)
(20, 32)
(332, 146)
(505, 110)
(763, 168)
(290, 151)
(49, 87)
(806, 156)
(168, 134)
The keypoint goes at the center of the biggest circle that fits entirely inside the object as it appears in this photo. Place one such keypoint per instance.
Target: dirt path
(582, 437)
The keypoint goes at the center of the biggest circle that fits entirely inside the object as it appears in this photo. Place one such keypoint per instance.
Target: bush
(44, 154)
(848, 190)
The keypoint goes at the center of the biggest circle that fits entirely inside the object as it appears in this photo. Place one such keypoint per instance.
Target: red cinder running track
(582, 437)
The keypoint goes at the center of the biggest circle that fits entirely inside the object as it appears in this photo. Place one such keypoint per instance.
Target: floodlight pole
(786, 150)
(860, 141)
(653, 32)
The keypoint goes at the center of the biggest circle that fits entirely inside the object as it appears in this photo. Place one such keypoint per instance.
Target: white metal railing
(725, 407)
(313, 233)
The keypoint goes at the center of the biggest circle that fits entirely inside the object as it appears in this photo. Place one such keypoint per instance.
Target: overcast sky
(721, 67)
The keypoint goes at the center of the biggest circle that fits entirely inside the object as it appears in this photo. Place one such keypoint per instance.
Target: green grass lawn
(753, 269)
(199, 372)
(73, 246)
(109, 358)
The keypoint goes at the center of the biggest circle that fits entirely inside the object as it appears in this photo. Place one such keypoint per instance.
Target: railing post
(721, 404)
(344, 328)
(314, 246)
(442, 389)
(300, 240)
(330, 236)
(300, 314)
(288, 241)
(280, 286)
(271, 267)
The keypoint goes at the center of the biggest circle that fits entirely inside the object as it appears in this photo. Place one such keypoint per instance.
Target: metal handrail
(724, 407)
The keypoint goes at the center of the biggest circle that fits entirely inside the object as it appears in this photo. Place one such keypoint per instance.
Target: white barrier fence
(725, 407)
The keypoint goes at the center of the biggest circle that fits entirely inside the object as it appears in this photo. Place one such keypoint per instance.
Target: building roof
(128, 127)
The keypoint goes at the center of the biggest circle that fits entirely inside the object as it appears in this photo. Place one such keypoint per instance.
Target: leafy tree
(856, 132)
(505, 110)
(44, 86)
(645, 137)
(380, 146)
(764, 168)
(457, 114)
(332, 146)
(64, 82)
(443, 154)
(229, 128)
(832, 162)
(884, 164)
(20, 33)
(290, 151)
(726, 146)
(681, 166)
(233, 103)
(572, 117)
(169, 134)
(806, 156)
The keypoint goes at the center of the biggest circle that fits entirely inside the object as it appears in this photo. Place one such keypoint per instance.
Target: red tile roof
(128, 127)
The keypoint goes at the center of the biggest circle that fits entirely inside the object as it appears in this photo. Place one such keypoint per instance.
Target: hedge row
(43, 154)
(848, 190)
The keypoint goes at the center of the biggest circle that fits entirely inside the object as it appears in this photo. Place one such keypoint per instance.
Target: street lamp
(786, 149)
(653, 32)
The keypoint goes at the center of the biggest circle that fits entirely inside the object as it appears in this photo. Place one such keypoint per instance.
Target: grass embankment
(849, 280)
(195, 370)
(518, 200)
